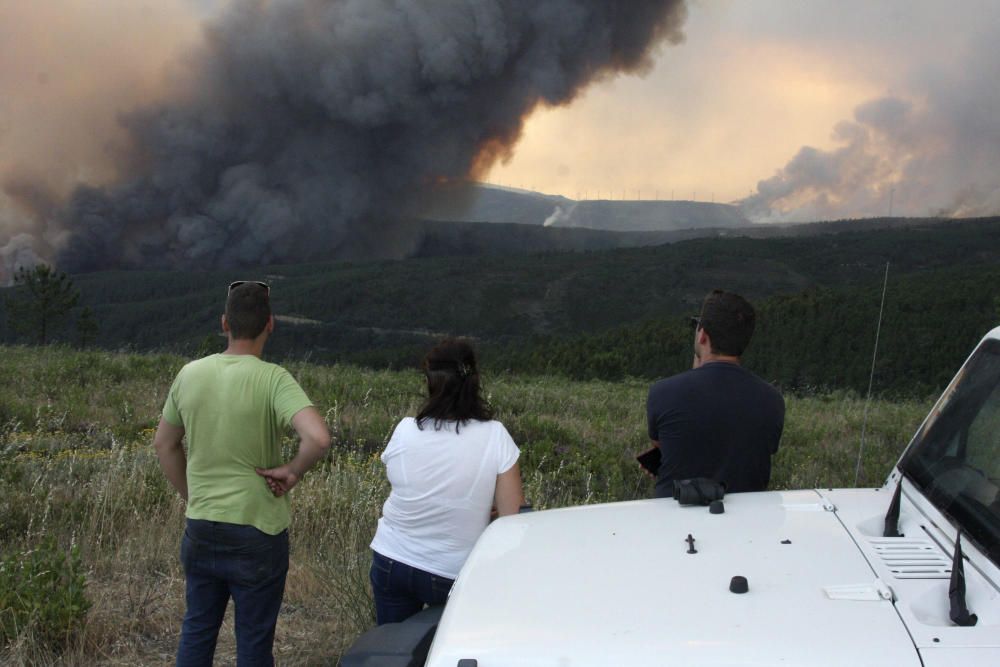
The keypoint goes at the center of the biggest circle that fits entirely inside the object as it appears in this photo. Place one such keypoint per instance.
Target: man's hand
(654, 444)
(279, 480)
(314, 442)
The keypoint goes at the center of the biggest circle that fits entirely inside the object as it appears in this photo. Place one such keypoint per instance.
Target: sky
(797, 110)
(755, 82)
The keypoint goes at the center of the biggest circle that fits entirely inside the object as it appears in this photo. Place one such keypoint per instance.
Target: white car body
(614, 584)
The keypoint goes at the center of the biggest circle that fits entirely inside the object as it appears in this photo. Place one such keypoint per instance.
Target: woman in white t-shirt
(447, 467)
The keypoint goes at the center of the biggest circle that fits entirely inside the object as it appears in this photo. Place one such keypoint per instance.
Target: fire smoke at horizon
(299, 129)
(933, 150)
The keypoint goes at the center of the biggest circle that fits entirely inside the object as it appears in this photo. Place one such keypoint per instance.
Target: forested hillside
(603, 314)
(815, 340)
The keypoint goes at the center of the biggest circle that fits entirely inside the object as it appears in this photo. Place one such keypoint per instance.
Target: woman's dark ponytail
(453, 389)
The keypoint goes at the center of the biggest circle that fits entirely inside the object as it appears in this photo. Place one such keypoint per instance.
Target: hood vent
(909, 558)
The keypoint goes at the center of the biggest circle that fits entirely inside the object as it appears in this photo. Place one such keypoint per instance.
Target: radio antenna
(871, 377)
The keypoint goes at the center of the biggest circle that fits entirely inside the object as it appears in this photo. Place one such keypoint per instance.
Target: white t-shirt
(443, 484)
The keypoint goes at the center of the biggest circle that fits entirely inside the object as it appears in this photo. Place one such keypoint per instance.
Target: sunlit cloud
(761, 90)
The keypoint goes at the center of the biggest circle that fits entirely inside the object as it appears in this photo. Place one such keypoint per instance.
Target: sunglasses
(233, 285)
(695, 323)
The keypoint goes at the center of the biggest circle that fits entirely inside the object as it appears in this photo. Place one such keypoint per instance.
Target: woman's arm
(509, 496)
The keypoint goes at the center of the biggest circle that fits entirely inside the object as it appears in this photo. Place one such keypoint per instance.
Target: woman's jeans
(401, 590)
(223, 560)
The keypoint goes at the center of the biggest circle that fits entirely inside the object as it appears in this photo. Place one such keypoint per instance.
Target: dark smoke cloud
(65, 74)
(311, 124)
(931, 151)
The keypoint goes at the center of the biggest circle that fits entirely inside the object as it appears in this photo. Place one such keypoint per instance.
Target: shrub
(42, 593)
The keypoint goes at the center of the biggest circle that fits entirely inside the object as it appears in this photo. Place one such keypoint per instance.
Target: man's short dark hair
(729, 320)
(248, 308)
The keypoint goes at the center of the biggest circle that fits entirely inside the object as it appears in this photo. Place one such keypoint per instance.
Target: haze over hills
(434, 238)
(483, 202)
(648, 215)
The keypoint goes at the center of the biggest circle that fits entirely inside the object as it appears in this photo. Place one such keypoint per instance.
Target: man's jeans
(401, 590)
(222, 560)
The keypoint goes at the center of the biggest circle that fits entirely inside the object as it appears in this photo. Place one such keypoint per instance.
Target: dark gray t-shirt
(719, 421)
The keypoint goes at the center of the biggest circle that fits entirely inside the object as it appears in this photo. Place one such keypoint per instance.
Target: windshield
(955, 458)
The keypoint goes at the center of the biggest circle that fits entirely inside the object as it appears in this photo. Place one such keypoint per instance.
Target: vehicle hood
(615, 585)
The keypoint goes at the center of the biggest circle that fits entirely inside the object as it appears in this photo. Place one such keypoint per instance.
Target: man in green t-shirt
(234, 408)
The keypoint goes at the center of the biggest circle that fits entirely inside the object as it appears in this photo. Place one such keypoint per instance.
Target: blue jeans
(401, 590)
(223, 560)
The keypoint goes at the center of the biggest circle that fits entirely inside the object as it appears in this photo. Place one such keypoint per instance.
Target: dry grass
(76, 464)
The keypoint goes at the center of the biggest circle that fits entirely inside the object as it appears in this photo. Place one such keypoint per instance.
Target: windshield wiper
(959, 612)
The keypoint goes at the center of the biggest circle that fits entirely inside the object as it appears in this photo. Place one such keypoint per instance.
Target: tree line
(607, 315)
(816, 340)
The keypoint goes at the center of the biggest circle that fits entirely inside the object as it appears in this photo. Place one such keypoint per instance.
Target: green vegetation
(42, 298)
(77, 470)
(815, 341)
(87, 327)
(606, 314)
(42, 595)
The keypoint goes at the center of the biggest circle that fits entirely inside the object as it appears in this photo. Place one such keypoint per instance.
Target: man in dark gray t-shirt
(717, 420)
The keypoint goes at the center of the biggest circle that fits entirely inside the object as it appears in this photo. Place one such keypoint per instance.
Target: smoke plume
(933, 150)
(301, 128)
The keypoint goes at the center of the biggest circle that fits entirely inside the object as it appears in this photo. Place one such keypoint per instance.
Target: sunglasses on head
(233, 285)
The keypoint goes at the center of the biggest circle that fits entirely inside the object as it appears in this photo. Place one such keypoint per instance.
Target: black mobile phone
(650, 460)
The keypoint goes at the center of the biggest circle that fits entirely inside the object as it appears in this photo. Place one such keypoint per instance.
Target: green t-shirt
(234, 410)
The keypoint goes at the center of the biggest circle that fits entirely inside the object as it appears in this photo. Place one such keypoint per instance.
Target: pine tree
(42, 298)
(86, 327)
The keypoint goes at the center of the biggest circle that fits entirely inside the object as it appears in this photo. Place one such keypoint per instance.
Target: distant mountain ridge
(490, 203)
(647, 216)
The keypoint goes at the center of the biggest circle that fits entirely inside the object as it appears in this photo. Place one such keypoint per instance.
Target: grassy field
(78, 474)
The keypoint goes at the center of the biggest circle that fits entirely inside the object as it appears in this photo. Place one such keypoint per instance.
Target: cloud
(931, 150)
(303, 124)
(67, 69)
